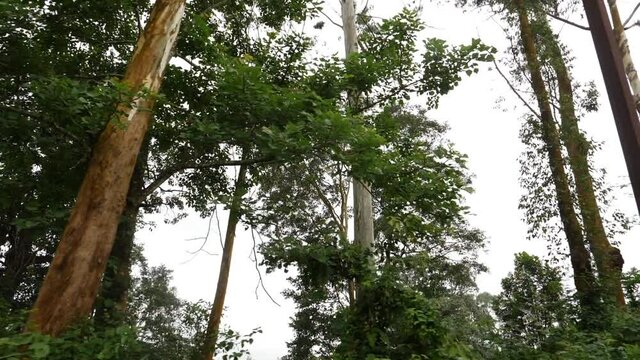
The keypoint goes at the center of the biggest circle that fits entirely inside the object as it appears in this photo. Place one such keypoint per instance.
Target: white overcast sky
(485, 132)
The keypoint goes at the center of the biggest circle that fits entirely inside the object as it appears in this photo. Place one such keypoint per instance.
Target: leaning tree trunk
(623, 45)
(70, 287)
(362, 200)
(215, 316)
(580, 260)
(608, 258)
(111, 307)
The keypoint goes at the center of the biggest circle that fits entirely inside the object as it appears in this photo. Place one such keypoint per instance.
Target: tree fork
(72, 282)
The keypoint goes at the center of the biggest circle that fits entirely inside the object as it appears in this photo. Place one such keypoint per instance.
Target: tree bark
(112, 304)
(215, 316)
(580, 260)
(70, 287)
(363, 232)
(608, 258)
(623, 45)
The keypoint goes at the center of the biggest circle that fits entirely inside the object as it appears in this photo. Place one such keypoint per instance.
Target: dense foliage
(247, 88)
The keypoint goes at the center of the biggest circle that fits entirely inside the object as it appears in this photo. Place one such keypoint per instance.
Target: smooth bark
(580, 260)
(72, 282)
(608, 258)
(215, 316)
(363, 231)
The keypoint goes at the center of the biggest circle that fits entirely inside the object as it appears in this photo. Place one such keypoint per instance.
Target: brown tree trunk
(580, 260)
(112, 304)
(70, 287)
(215, 316)
(608, 258)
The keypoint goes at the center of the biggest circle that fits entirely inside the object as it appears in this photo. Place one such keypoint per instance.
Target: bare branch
(255, 261)
(631, 16)
(515, 91)
(582, 27)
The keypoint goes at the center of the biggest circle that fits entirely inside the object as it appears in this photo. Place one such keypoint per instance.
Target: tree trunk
(70, 287)
(608, 258)
(580, 260)
(215, 316)
(623, 45)
(17, 259)
(363, 233)
(112, 303)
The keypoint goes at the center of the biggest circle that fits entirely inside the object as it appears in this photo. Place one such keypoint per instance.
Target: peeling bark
(623, 45)
(71, 285)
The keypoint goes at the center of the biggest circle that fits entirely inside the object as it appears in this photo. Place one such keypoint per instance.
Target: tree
(580, 259)
(73, 279)
(531, 304)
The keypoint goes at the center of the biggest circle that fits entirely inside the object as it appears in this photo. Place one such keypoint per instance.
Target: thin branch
(215, 212)
(169, 172)
(515, 91)
(327, 204)
(260, 282)
(330, 20)
(201, 249)
(582, 27)
(632, 13)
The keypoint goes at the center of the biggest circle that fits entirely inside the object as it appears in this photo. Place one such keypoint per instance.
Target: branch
(632, 13)
(515, 91)
(328, 204)
(45, 119)
(169, 172)
(582, 27)
(260, 282)
(393, 93)
(330, 20)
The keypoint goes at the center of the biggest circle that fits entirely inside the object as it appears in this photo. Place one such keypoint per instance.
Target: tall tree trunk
(215, 316)
(608, 258)
(112, 304)
(623, 45)
(580, 260)
(70, 287)
(362, 201)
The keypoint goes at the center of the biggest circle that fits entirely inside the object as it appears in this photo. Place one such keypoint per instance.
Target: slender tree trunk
(362, 201)
(608, 258)
(70, 287)
(580, 260)
(17, 259)
(623, 45)
(225, 265)
(112, 303)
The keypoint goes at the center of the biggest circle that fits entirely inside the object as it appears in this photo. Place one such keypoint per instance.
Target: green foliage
(392, 321)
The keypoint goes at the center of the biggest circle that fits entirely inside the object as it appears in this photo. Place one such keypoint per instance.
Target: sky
(481, 126)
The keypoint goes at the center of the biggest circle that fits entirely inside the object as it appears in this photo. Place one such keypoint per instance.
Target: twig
(201, 249)
(260, 282)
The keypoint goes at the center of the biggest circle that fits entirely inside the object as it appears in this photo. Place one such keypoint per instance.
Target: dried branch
(515, 91)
